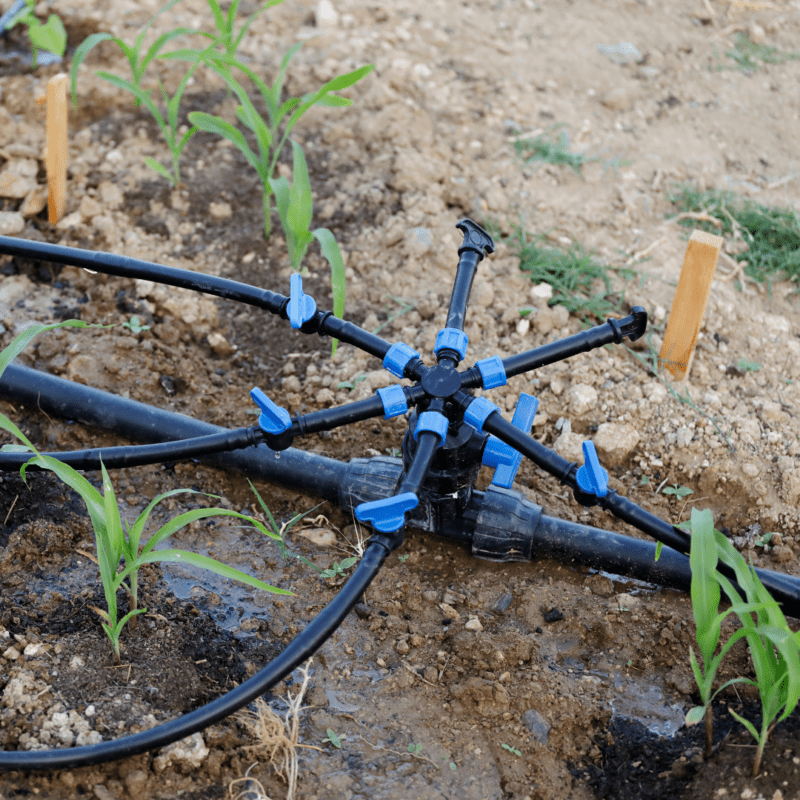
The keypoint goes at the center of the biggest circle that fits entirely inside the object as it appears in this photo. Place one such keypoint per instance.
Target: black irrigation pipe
(302, 647)
(129, 419)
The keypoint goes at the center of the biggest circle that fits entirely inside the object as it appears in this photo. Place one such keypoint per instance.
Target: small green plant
(338, 568)
(416, 749)
(748, 366)
(279, 533)
(511, 749)
(134, 325)
(49, 36)
(763, 540)
(750, 56)
(334, 738)
(678, 491)
(553, 147)
(351, 384)
(402, 559)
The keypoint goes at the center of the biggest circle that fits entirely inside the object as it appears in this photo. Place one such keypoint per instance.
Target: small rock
(615, 441)
(72, 220)
(220, 210)
(11, 654)
(89, 208)
(449, 611)
(628, 601)
(136, 782)
(756, 33)
(623, 53)
(325, 15)
(581, 398)
(18, 178)
(557, 386)
(536, 724)
(684, 436)
(782, 554)
(322, 537)
(523, 326)
(33, 650)
(11, 223)
(553, 615)
(541, 294)
(101, 792)
(543, 320)
(570, 446)
(189, 752)
(474, 625)
(751, 470)
(617, 99)
(362, 611)
(402, 647)
(110, 195)
(500, 606)
(220, 345)
(34, 202)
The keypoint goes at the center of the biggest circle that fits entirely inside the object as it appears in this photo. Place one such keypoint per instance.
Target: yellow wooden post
(694, 286)
(56, 146)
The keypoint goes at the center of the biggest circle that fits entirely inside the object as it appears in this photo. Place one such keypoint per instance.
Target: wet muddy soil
(455, 676)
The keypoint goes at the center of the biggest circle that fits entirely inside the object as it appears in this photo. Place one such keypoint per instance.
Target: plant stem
(709, 732)
(267, 212)
(757, 759)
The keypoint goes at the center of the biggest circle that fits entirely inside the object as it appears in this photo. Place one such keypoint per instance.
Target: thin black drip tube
(140, 454)
(302, 647)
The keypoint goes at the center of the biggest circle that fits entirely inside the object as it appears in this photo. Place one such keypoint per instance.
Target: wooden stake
(56, 146)
(694, 286)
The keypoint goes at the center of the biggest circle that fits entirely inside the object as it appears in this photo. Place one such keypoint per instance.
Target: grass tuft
(750, 56)
(770, 236)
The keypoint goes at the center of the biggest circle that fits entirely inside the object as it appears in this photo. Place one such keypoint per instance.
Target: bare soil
(587, 702)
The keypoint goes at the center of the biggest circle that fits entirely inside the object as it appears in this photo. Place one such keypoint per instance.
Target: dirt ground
(587, 702)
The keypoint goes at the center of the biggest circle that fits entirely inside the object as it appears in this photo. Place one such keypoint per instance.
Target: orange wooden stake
(56, 146)
(694, 286)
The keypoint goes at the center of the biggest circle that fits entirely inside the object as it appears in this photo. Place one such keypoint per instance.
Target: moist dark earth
(574, 684)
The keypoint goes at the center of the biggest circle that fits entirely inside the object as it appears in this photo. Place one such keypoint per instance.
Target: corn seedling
(139, 61)
(225, 23)
(774, 648)
(49, 36)
(269, 136)
(279, 533)
(705, 593)
(115, 543)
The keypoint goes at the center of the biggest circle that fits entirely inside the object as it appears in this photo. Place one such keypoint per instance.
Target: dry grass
(276, 743)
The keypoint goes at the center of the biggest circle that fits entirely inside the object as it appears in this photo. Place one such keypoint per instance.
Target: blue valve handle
(387, 515)
(273, 419)
(505, 459)
(591, 477)
(301, 306)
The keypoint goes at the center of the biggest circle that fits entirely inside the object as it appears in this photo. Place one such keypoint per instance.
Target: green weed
(511, 749)
(416, 749)
(134, 325)
(678, 491)
(750, 56)
(49, 36)
(334, 739)
(771, 236)
(574, 274)
(748, 366)
(339, 568)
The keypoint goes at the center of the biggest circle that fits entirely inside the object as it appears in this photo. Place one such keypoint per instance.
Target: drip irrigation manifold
(451, 434)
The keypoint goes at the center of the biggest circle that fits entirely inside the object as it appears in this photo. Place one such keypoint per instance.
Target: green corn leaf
(333, 255)
(22, 340)
(210, 564)
(705, 591)
(302, 207)
(83, 51)
(186, 136)
(273, 95)
(135, 533)
(141, 96)
(165, 38)
(212, 124)
(160, 169)
(249, 20)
